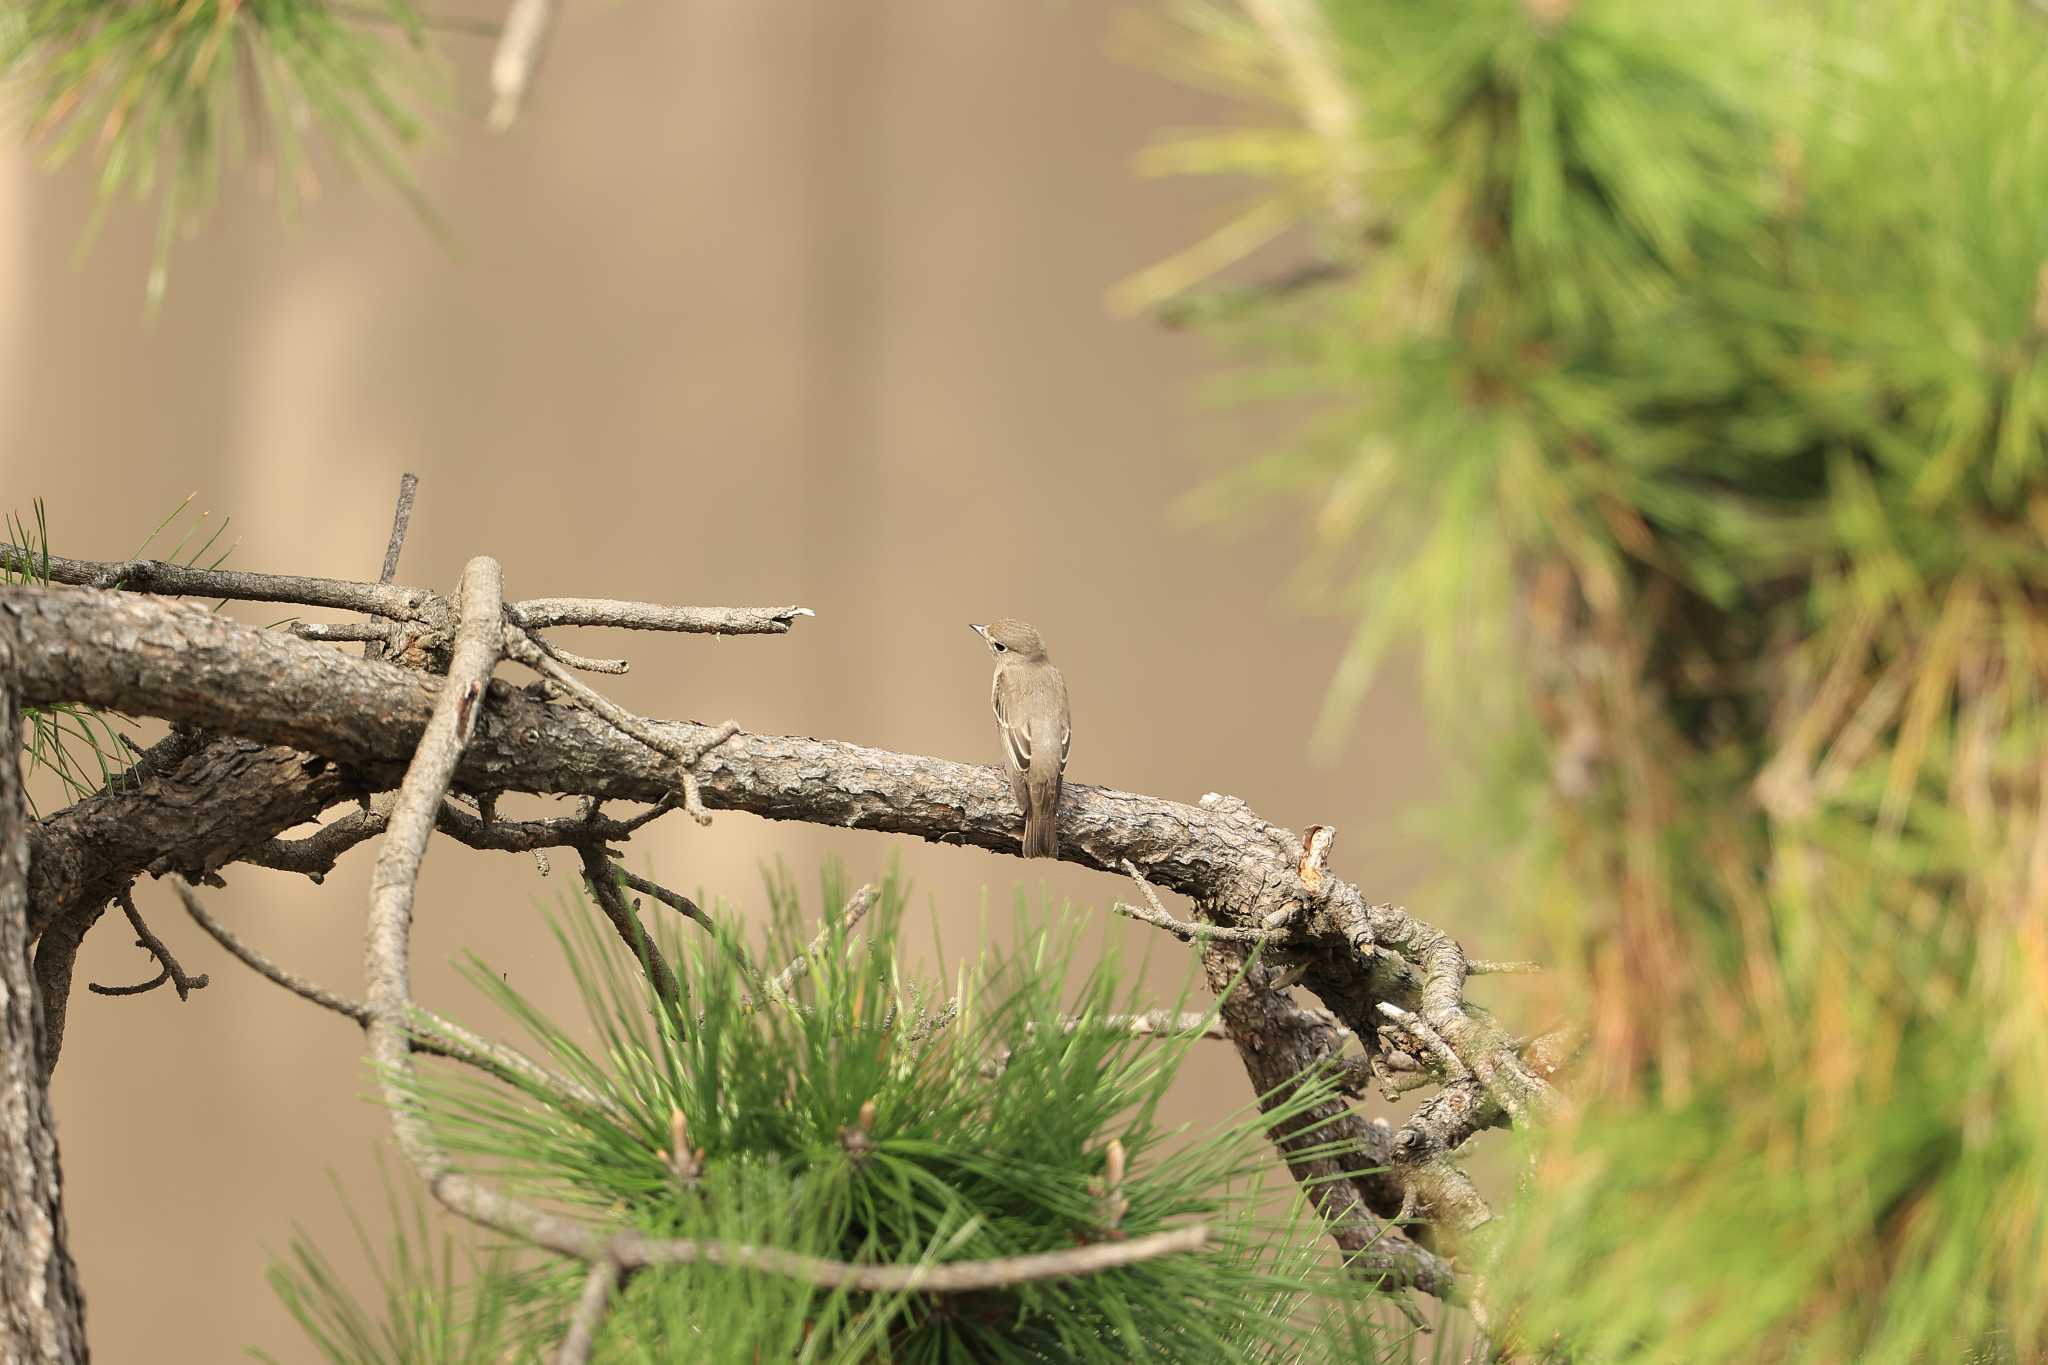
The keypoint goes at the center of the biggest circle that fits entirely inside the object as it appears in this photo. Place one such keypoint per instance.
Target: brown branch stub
(857, 1139)
(401, 522)
(1108, 1191)
(1315, 855)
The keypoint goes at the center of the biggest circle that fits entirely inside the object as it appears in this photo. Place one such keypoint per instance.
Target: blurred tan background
(758, 303)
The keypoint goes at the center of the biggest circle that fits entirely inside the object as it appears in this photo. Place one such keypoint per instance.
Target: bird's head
(1008, 639)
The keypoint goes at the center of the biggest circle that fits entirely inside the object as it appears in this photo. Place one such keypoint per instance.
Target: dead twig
(675, 901)
(401, 522)
(520, 645)
(172, 972)
(778, 987)
(315, 855)
(1155, 914)
(432, 1034)
(543, 612)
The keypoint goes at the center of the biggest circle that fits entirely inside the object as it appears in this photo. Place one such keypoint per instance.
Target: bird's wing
(1016, 741)
(1066, 718)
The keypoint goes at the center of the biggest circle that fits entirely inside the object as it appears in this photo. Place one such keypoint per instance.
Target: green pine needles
(1683, 384)
(857, 1118)
(165, 93)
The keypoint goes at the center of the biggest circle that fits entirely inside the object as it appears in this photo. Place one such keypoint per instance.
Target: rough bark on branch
(198, 668)
(191, 816)
(42, 1309)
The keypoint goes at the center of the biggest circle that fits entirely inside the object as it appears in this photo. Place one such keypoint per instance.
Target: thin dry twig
(1155, 914)
(925, 1277)
(390, 600)
(401, 522)
(584, 662)
(520, 645)
(856, 910)
(316, 854)
(177, 580)
(171, 972)
(543, 612)
(344, 632)
(1455, 1066)
(674, 900)
(433, 1034)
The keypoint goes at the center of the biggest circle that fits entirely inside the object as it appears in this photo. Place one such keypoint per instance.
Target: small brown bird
(1031, 713)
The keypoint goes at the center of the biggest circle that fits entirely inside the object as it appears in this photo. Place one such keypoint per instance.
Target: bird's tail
(1042, 820)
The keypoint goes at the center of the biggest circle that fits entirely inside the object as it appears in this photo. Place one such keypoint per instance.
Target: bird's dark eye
(1000, 646)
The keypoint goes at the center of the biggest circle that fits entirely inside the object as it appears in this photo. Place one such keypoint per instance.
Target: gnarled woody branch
(145, 656)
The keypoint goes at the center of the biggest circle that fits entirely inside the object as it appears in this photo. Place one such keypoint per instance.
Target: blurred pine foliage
(163, 94)
(1682, 380)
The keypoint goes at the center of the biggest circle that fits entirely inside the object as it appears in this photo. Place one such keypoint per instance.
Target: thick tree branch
(42, 1309)
(1244, 873)
(192, 816)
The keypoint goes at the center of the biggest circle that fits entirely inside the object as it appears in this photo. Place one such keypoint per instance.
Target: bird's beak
(982, 631)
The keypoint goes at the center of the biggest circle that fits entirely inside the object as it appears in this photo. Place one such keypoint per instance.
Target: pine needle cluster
(860, 1119)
